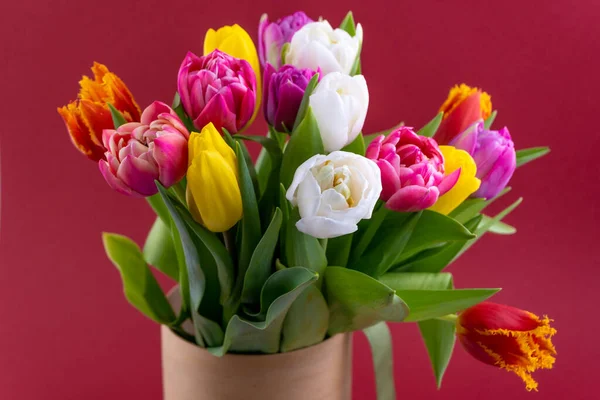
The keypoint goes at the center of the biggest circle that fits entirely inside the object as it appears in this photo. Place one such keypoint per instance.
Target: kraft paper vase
(319, 372)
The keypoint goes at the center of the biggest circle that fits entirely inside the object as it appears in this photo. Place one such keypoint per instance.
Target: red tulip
(463, 107)
(507, 337)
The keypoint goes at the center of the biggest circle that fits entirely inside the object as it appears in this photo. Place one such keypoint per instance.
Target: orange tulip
(464, 106)
(89, 115)
(507, 337)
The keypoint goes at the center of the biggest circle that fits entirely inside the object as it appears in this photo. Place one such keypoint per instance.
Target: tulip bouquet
(331, 230)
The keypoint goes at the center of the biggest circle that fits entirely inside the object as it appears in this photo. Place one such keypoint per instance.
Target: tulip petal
(390, 181)
(114, 182)
(459, 119)
(413, 198)
(217, 112)
(170, 153)
(96, 117)
(328, 110)
(325, 228)
(139, 175)
(152, 112)
(449, 181)
(289, 99)
(79, 133)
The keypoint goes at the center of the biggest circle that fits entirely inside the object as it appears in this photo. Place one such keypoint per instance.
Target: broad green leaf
(367, 228)
(387, 244)
(357, 146)
(251, 169)
(357, 301)
(184, 286)
(439, 337)
(472, 207)
(499, 227)
(417, 280)
(117, 117)
(159, 208)
(490, 120)
(285, 206)
(261, 263)
(525, 156)
(436, 259)
(212, 243)
(432, 229)
(159, 250)
(432, 126)
(304, 104)
(306, 321)
(302, 249)
(246, 336)
(178, 108)
(304, 143)
(348, 24)
(206, 332)
(428, 304)
(140, 287)
(338, 250)
(380, 341)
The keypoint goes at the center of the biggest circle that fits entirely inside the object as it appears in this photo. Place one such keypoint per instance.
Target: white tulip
(339, 104)
(318, 45)
(334, 192)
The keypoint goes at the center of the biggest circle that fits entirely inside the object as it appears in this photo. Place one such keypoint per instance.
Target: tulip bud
(273, 35)
(339, 104)
(217, 89)
(495, 156)
(284, 90)
(509, 338)
(137, 154)
(213, 193)
(317, 45)
(412, 170)
(457, 161)
(334, 192)
(89, 115)
(463, 107)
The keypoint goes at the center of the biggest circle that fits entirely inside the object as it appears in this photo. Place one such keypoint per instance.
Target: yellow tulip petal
(467, 182)
(215, 191)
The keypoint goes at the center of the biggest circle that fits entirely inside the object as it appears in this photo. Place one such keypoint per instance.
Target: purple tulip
(495, 156)
(412, 170)
(283, 91)
(138, 153)
(217, 88)
(273, 35)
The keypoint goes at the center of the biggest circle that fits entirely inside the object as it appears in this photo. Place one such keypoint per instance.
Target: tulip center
(337, 178)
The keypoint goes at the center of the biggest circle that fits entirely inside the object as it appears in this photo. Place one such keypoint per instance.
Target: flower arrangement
(331, 230)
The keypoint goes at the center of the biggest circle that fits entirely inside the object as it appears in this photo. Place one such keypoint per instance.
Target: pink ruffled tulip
(273, 35)
(217, 88)
(412, 170)
(495, 156)
(138, 153)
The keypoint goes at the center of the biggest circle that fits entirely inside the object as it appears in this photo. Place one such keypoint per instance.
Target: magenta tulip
(283, 91)
(217, 88)
(138, 153)
(273, 35)
(495, 156)
(412, 170)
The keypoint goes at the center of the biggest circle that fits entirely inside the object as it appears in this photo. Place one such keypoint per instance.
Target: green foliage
(357, 146)
(490, 120)
(380, 341)
(432, 126)
(159, 250)
(306, 322)
(525, 156)
(304, 104)
(117, 117)
(439, 337)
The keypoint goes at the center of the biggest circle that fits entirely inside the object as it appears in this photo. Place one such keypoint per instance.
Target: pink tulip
(217, 88)
(138, 153)
(412, 170)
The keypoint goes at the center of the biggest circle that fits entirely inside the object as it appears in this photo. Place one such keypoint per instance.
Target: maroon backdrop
(66, 331)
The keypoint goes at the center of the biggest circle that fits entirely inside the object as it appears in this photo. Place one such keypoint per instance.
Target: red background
(66, 331)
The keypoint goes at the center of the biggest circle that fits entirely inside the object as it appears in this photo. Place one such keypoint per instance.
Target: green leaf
(417, 280)
(116, 115)
(432, 126)
(280, 291)
(357, 301)
(369, 137)
(380, 341)
(432, 229)
(159, 208)
(387, 244)
(159, 250)
(140, 287)
(439, 337)
(304, 104)
(251, 169)
(261, 263)
(428, 304)
(209, 240)
(302, 249)
(357, 146)
(206, 332)
(184, 286)
(306, 321)
(490, 120)
(338, 250)
(348, 24)
(499, 227)
(525, 156)
(472, 207)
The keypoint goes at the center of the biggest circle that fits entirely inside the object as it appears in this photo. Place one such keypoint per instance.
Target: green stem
(372, 228)
(323, 243)
(449, 318)
(179, 192)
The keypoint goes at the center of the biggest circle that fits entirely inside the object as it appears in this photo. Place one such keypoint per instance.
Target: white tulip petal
(325, 228)
(308, 196)
(328, 109)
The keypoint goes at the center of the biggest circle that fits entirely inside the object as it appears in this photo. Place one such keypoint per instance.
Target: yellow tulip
(213, 193)
(467, 182)
(236, 42)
